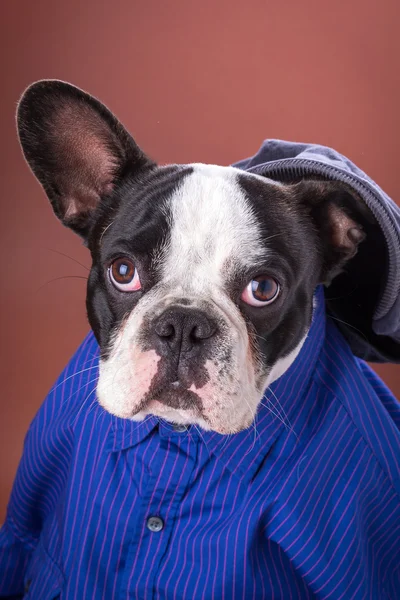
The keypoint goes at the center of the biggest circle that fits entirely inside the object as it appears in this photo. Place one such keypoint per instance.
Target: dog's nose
(183, 330)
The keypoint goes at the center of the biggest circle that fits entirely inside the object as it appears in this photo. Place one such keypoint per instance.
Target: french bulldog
(201, 288)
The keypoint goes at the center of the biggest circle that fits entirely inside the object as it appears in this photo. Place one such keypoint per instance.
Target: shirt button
(180, 428)
(155, 524)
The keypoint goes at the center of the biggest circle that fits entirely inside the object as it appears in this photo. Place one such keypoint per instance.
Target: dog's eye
(261, 291)
(124, 275)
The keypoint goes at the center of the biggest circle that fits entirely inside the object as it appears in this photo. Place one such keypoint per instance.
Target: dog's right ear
(77, 149)
(339, 214)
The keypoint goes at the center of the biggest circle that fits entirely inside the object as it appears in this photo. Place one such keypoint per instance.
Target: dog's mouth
(173, 395)
(168, 405)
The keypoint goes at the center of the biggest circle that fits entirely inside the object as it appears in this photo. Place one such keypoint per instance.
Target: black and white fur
(197, 235)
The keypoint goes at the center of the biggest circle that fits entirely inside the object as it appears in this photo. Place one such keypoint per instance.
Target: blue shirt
(306, 504)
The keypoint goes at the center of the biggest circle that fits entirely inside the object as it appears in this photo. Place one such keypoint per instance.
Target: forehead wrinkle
(212, 225)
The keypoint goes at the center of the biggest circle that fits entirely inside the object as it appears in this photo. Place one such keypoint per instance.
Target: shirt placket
(171, 471)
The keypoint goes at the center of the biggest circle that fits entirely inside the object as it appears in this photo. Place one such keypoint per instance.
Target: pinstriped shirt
(305, 504)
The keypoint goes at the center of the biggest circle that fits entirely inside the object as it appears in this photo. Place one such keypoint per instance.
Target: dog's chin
(186, 417)
(176, 416)
(189, 416)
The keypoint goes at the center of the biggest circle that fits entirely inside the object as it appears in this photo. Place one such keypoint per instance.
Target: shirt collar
(243, 452)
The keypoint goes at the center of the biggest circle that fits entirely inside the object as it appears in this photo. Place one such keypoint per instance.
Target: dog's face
(201, 288)
(198, 295)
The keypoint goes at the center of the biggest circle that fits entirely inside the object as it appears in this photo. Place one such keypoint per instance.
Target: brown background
(193, 81)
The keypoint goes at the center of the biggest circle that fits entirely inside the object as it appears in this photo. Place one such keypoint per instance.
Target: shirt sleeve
(42, 470)
(14, 558)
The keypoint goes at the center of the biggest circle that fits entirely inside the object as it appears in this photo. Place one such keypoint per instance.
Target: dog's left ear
(338, 213)
(77, 149)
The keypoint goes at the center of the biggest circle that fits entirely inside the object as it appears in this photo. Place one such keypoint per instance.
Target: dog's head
(201, 288)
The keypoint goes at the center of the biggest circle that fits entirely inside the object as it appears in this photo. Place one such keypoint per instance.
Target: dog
(201, 288)
(212, 289)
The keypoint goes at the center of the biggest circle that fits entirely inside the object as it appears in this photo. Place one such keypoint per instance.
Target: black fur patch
(133, 223)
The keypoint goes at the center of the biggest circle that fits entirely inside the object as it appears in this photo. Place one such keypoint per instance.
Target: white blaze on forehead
(212, 222)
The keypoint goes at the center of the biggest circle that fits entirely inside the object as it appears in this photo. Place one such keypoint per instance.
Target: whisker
(70, 257)
(269, 389)
(63, 277)
(343, 295)
(78, 390)
(95, 404)
(83, 404)
(73, 375)
(139, 423)
(273, 236)
(95, 400)
(201, 435)
(104, 230)
(259, 336)
(349, 325)
(254, 424)
(227, 438)
(277, 415)
(280, 419)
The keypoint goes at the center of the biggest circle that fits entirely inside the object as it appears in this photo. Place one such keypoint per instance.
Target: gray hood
(365, 299)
